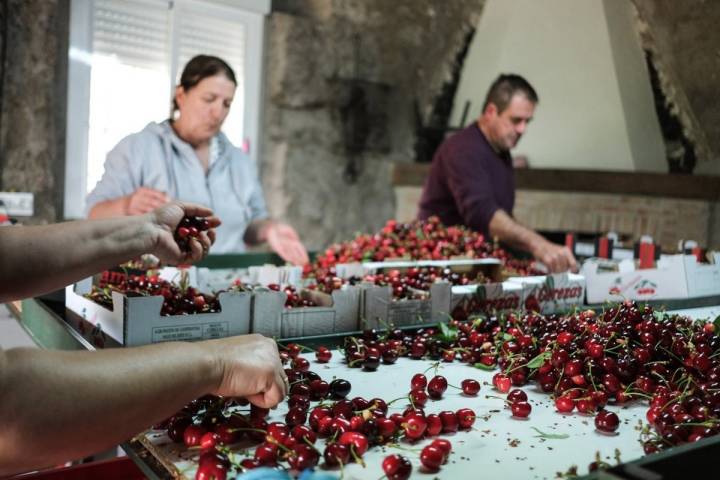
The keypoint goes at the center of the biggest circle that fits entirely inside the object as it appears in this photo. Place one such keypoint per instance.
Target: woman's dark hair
(200, 67)
(504, 87)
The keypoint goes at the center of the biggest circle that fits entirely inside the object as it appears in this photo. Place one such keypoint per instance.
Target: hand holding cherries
(188, 228)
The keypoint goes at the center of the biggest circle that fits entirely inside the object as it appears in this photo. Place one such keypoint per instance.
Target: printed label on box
(197, 331)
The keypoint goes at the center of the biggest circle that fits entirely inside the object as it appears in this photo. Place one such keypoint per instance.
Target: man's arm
(57, 406)
(44, 258)
(557, 258)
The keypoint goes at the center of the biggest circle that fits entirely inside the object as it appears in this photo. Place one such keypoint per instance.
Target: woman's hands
(144, 200)
(284, 240)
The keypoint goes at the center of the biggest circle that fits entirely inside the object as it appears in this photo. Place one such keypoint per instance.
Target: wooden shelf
(589, 181)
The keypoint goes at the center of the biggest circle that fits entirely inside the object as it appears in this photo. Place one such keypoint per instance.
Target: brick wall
(667, 220)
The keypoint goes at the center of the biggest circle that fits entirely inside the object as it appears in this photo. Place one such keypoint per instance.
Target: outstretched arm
(558, 258)
(282, 238)
(57, 406)
(44, 258)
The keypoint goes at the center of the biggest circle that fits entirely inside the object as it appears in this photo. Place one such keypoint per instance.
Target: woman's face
(203, 108)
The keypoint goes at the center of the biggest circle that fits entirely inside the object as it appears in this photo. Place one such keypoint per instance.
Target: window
(125, 59)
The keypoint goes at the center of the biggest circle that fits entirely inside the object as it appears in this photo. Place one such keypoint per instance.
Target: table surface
(499, 445)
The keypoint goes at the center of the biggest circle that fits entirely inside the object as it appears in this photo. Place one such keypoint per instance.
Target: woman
(189, 159)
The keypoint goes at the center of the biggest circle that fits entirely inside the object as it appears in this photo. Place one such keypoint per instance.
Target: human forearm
(503, 227)
(256, 231)
(109, 208)
(48, 397)
(557, 258)
(52, 256)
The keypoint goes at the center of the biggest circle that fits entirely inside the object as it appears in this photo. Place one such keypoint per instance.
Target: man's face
(205, 106)
(506, 127)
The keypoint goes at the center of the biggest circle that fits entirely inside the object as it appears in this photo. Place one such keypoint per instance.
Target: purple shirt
(468, 182)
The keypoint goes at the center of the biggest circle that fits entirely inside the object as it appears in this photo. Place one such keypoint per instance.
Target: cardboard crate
(488, 298)
(489, 266)
(335, 313)
(703, 279)
(609, 280)
(552, 293)
(137, 321)
(380, 309)
(674, 277)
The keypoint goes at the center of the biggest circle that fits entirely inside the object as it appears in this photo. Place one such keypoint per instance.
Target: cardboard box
(137, 321)
(609, 280)
(335, 313)
(488, 298)
(379, 309)
(553, 292)
(703, 279)
(490, 267)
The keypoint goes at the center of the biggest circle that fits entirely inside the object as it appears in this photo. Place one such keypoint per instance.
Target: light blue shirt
(157, 158)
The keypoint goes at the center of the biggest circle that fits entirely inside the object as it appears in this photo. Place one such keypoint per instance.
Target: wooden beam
(589, 181)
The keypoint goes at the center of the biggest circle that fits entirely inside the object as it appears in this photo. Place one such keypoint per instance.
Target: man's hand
(145, 200)
(249, 366)
(557, 258)
(166, 220)
(284, 240)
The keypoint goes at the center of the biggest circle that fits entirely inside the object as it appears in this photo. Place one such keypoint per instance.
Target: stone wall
(343, 78)
(33, 90)
(684, 40)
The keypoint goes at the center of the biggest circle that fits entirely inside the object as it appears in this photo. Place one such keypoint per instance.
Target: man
(471, 179)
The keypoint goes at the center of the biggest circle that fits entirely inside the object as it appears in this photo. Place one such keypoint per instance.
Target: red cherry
(444, 445)
(437, 386)
(434, 425)
(303, 456)
(418, 397)
(564, 404)
(606, 421)
(501, 382)
(419, 381)
(449, 421)
(517, 395)
(193, 434)
(432, 457)
(470, 387)
(414, 426)
(521, 409)
(336, 454)
(465, 418)
(323, 355)
(209, 440)
(355, 440)
(266, 454)
(212, 465)
(397, 467)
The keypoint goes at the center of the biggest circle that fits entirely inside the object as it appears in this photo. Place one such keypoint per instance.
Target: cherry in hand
(189, 227)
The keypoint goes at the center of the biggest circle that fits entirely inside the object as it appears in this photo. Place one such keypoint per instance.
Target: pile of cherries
(189, 227)
(415, 282)
(350, 425)
(179, 299)
(419, 240)
(294, 299)
(585, 360)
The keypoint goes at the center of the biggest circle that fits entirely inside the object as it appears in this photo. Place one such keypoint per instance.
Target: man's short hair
(504, 87)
